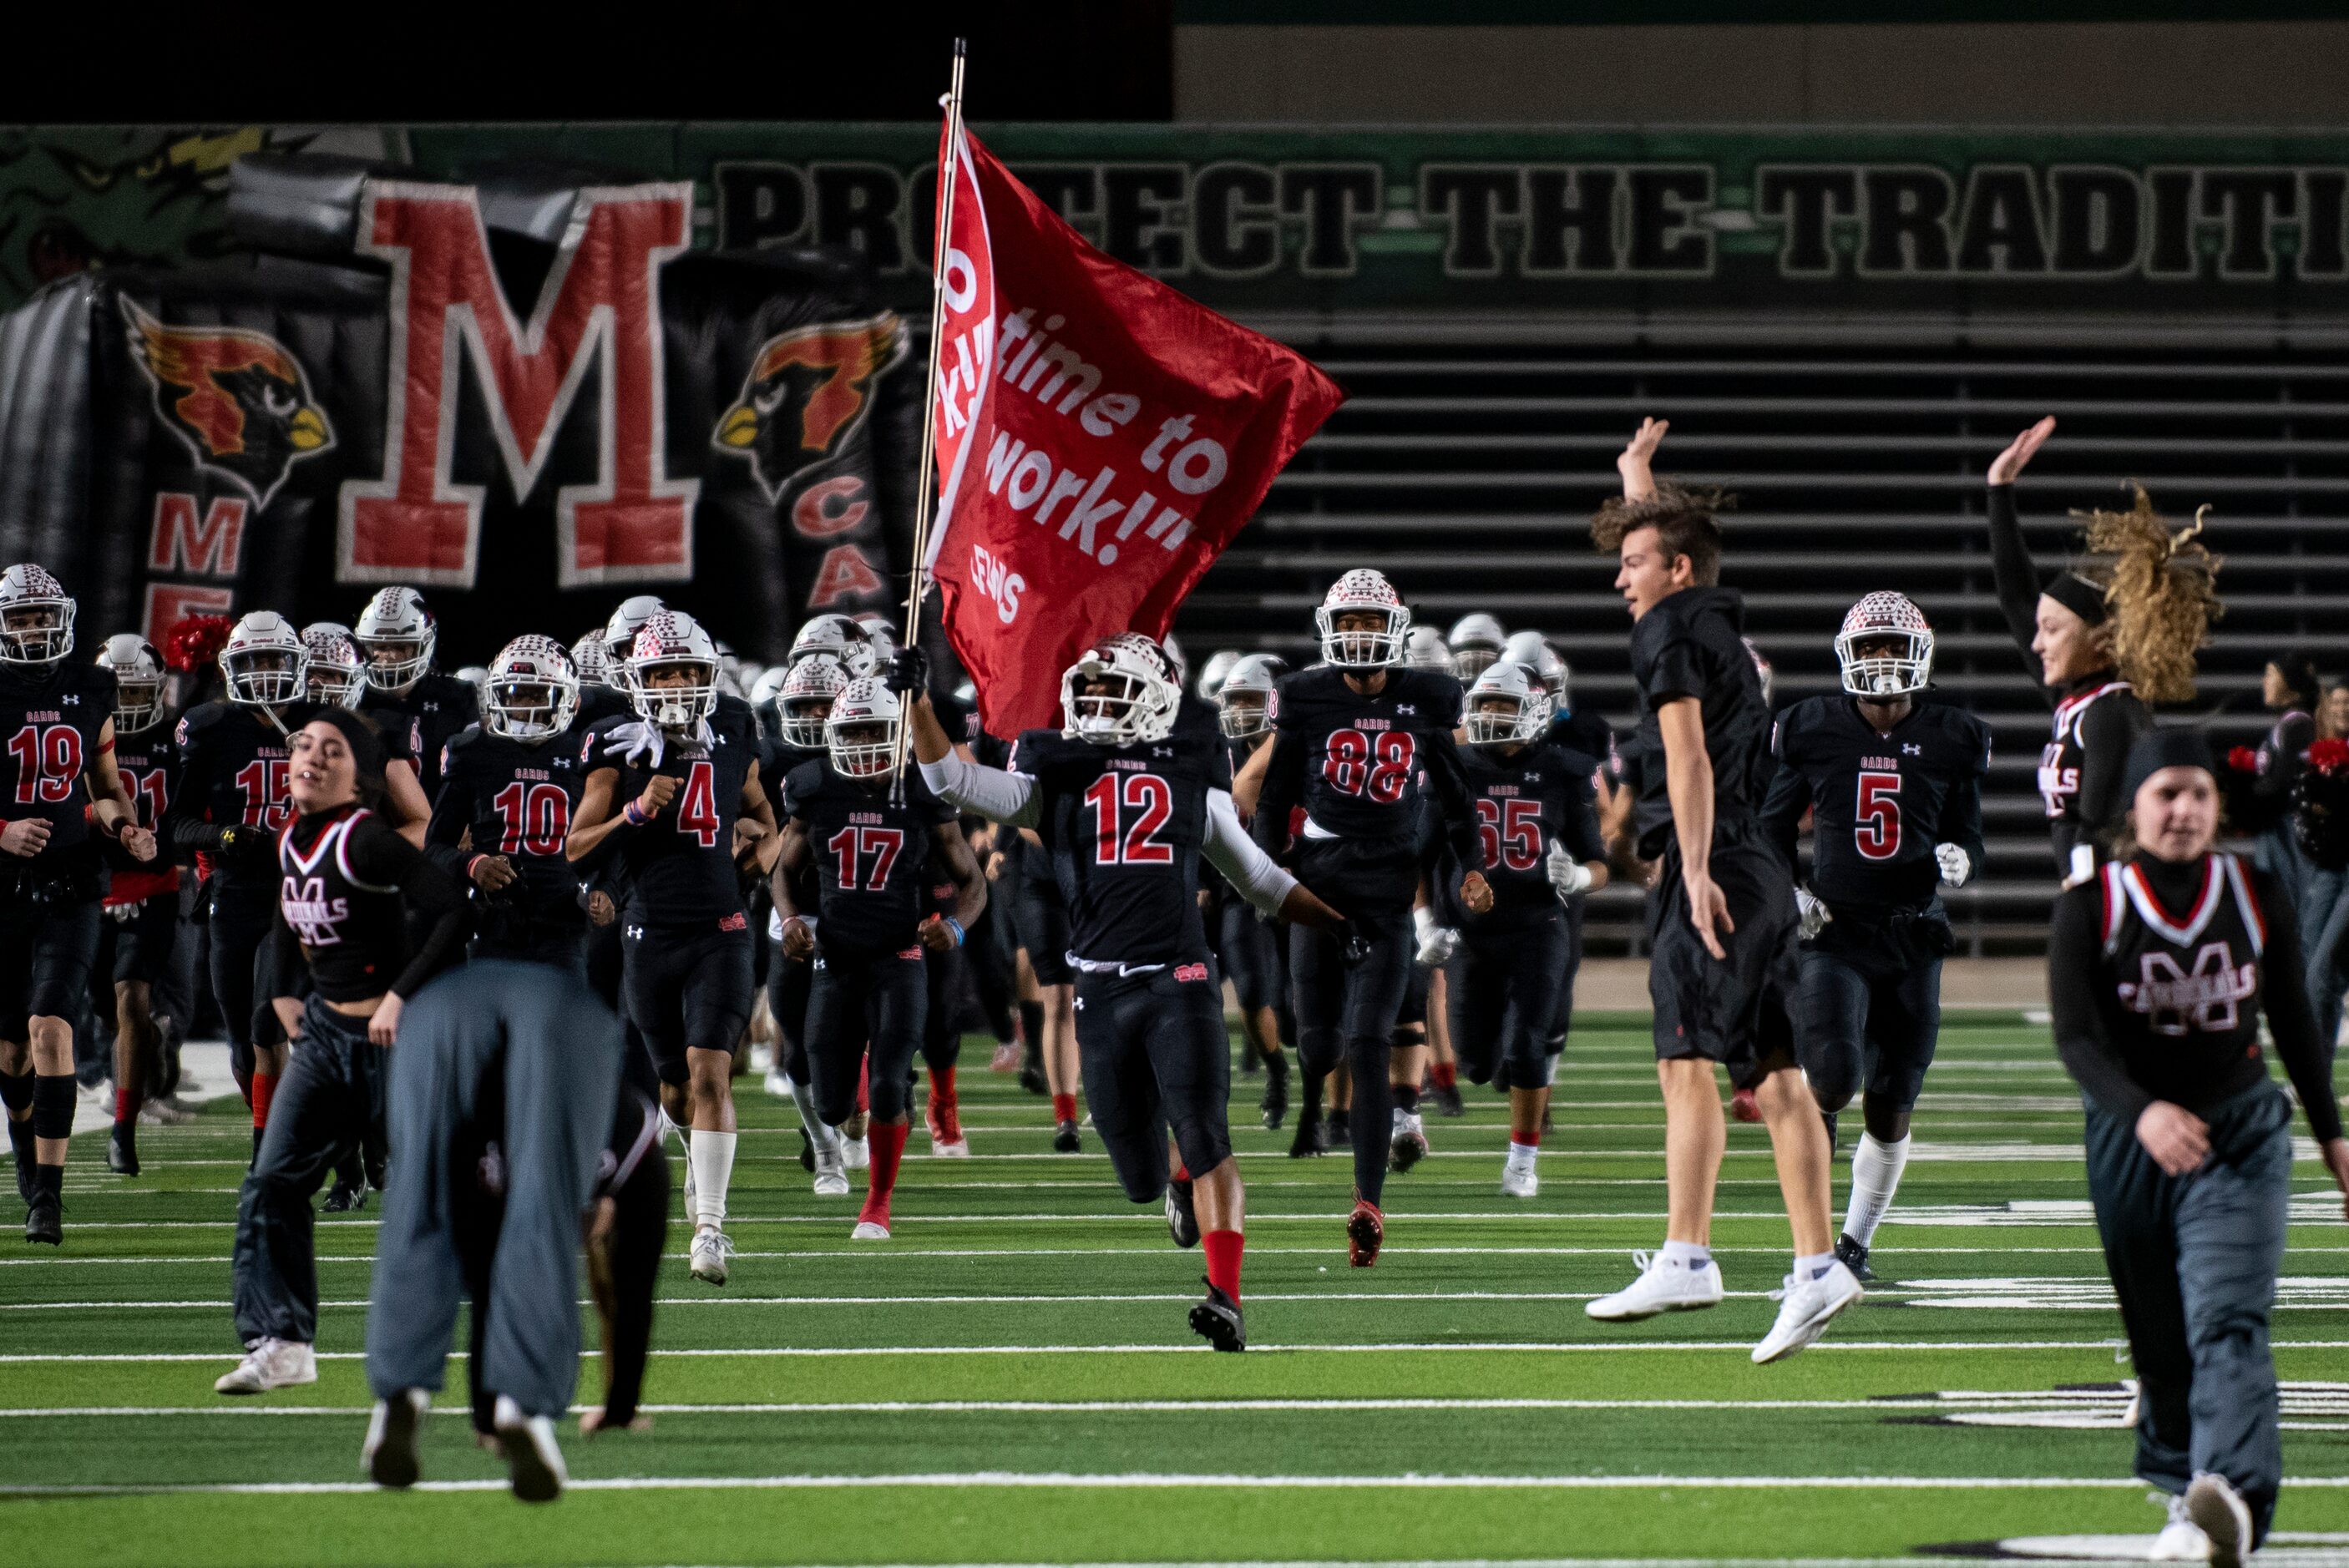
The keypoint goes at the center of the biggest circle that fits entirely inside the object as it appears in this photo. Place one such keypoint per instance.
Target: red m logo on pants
(597, 316)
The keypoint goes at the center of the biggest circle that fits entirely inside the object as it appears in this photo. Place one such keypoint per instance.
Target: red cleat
(1742, 1107)
(1366, 1231)
(944, 1115)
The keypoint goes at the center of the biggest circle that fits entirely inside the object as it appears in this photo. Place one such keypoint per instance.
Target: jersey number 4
(536, 818)
(697, 804)
(1511, 831)
(49, 760)
(852, 844)
(1151, 801)
(1375, 766)
(1876, 817)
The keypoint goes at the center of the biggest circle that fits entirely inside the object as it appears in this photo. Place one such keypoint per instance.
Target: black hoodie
(1691, 645)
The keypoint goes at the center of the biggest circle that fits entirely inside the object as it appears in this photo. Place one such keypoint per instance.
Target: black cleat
(44, 1220)
(1447, 1099)
(1338, 1130)
(1182, 1218)
(1066, 1141)
(344, 1199)
(1308, 1141)
(1854, 1256)
(122, 1150)
(1031, 1077)
(1217, 1321)
(807, 1153)
(1275, 1092)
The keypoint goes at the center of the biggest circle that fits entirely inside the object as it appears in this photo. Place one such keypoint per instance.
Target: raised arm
(1636, 461)
(2013, 571)
(967, 786)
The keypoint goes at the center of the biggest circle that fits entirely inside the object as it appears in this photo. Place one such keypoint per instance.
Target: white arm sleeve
(997, 795)
(1234, 854)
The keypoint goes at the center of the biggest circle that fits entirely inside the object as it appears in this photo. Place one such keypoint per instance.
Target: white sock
(1522, 1154)
(1874, 1176)
(826, 1141)
(711, 1155)
(1812, 1265)
(1687, 1254)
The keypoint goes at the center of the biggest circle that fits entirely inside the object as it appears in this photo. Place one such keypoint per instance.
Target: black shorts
(1040, 920)
(562, 944)
(685, 990)
(1730, 1011)
(1360, 877)
(45, 954)
(1413, 1014)
(1562, 1020)
(944, 974)
(1871, 1020)
(239, 927)
(1501, 989)
(857, 1001)
(143, 943)
(1343, 1006)
(788, 982)
(1154, 1056)
(1253, 956)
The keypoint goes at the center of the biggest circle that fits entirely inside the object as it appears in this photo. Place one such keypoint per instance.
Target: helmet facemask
(265, 676)
(1886, 648)
(35, 633)
(1363, 636)
(530, 708)
(862, 735)
(664, 700)
(1244, 713)
(803, 716)
(1116, 701)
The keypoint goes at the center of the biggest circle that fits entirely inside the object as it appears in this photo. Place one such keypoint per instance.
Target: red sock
(1182, 1171)
(1224, 1260)
(1530, 1140)
(865, 1083)
(1444, 1074)
(888, 1145)
(263, 1086)
(127, 1103)
(1064, 1108)
(942, 1082)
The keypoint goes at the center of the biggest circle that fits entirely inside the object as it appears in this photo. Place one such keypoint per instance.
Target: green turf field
(1011, 1379)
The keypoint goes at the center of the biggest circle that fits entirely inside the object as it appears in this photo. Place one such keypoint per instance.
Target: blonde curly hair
(2160, 585)
(1686, 521)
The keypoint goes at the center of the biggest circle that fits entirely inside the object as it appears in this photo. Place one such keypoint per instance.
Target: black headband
(361, 737)
(2077, 595)
(2158, 748)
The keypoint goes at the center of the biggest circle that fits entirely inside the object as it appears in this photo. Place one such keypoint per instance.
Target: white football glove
(1812, 908)
(1436, 943)
(1956, 867)
(1567, 875)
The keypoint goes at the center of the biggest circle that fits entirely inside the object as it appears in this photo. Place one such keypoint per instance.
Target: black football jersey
(1585, 731)
(1366, 760)
(1691, 645)
(1125, 826)
(1525, 803)
(2180, 988)
(516, 800)
(425, 718)
(233, 770)
(1879, 801)
(51, 726)
(149, 765)
(873, 859)
(599, 702)
(679, 867)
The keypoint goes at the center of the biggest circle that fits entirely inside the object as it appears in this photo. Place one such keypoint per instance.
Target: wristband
(955, 926)
(473, 864)
(634, 815)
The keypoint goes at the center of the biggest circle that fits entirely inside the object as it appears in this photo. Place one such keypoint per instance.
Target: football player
(1426, 650)
(142, 900)
(346, 886)
(1721, 919)
(1356, 740)
(1538, 845)
(59, 718)
(396, 634)
(675, 796)
(1475, 641)
(1893, 782)
(1213, 673)
(337, 676)
(873, 849)
(1125, 802)
(1254, 958)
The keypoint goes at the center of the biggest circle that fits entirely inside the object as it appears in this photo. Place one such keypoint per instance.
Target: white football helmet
(533, 690)
(37, 617)
(334, 674)
(1886, 648)
(838, 637)
(138, 681)
(1244, 705)
(620, 633)
(1219, 665)
(1425, 649)
(879, 635)
(861, 735)
(804, 698)
(1475, 641)
(770, 682)
(1362, 592)
(395, 636)
(592, 659)
(1530, 649)
(263, 662)
(1506, 704)
(672, 640)
(1138, 699)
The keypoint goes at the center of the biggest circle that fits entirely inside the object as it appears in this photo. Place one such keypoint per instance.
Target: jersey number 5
(49, 760)
(1511, 832)
(1876, 820)
(1152, 801)
(697, 804)
(1375, 766)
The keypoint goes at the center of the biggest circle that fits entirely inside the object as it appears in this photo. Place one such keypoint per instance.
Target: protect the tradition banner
(1101, 438)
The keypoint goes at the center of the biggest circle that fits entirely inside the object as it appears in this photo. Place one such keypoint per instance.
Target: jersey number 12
(1150, 799)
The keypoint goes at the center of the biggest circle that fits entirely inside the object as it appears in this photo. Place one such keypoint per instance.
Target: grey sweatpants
(2193, 1259)
(524, 1054)
(331, 1094)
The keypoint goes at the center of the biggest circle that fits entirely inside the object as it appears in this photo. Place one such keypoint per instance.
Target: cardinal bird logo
(239, 401)
(808, 391)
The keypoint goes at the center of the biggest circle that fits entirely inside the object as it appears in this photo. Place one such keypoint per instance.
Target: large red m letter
(598, 310)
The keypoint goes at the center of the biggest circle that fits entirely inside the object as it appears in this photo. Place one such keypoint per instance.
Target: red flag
(1101, 438)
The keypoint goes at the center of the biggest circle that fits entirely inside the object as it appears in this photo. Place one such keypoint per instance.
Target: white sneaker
(1661, 1287)
(869, 1230)
(388, 1455)
(532, 1458)
(854, 1152)
(2181, 1540)
(1804, 1310)
(1519, 1181)
(831, 1179)
(958, 1150)
(2213, 1503)
(271, 1363)
(711, 1248)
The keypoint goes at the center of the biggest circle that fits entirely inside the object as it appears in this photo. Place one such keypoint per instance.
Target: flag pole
(925, 486)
